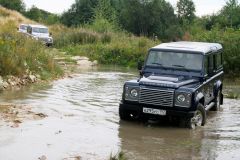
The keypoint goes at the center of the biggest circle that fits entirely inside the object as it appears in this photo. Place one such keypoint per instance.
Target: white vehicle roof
(23, 24)
(190, 46)
(37, 26)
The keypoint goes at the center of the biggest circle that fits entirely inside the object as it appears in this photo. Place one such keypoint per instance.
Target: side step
(208, 107)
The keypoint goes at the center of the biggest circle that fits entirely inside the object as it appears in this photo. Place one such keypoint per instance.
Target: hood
(41, 35)
(167, 81)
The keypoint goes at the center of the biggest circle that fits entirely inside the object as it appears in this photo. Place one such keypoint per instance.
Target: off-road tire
(200, 114)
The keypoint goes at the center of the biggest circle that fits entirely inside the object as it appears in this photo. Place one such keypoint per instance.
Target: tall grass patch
(120, 49)
(64, 36)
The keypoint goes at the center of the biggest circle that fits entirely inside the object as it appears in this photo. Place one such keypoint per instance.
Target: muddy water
(83, 122)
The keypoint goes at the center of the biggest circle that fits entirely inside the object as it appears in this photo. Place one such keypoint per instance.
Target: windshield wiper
(157, 64)
(180, 66)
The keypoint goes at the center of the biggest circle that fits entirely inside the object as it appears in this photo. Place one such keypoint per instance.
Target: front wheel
(199, 118)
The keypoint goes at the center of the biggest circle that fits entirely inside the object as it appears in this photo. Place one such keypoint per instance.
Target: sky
(203, 7)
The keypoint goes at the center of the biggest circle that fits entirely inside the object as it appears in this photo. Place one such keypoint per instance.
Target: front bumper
(137, 108)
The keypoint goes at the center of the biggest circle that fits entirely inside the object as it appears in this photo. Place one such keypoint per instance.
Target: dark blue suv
(180, 80)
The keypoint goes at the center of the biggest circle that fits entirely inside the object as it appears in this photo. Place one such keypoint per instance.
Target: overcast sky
(203, 7)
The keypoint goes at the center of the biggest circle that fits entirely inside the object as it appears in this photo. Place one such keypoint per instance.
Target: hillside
(22, 59)
(7, 15)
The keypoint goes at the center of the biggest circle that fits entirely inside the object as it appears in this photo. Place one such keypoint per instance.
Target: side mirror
(17, 28)
(50, 33)
(140, 65)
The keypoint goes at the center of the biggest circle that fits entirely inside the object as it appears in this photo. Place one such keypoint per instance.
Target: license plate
(155, 111)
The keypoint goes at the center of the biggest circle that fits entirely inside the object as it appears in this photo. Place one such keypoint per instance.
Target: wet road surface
(83, 122)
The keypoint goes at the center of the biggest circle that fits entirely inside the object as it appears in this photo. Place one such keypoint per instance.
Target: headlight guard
(131, 93)
(183, 99)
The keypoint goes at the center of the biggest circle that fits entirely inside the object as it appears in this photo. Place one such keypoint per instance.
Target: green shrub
(122, 49)
(64, 36)
(230, 39)
(102, 25)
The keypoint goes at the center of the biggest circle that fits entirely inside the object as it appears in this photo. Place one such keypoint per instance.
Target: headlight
(131, 93)
(182, 99)
(134, 93)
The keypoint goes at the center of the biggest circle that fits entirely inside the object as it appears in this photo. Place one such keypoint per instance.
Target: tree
(104, 9)
(34, 13)
(82, 11)
(42, 16)
(230, 14)
(105, 18)
(186, 11)
(17, 5)
(148, 17)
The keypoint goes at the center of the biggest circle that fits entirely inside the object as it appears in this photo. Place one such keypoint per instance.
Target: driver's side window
(206, 66)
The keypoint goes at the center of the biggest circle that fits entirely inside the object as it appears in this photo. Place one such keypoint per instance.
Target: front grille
(45, 39)
(157, 97)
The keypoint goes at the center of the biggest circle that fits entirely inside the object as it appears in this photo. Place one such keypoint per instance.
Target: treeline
(152, 18)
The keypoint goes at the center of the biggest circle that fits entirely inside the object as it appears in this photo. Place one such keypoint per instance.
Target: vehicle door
(209, 83)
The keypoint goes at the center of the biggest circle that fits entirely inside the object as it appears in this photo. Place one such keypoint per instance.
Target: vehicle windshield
(186, 61)
(40, 30)
(23, 27)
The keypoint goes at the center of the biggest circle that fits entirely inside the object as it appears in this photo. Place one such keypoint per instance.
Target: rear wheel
(217, 102)
(199, 118)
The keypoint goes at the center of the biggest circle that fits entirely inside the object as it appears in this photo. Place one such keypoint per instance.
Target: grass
(21, 55)
(119, 156)
(7, 15)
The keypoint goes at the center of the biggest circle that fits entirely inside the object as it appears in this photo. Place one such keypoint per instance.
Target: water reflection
(219, 139)
(142, 142)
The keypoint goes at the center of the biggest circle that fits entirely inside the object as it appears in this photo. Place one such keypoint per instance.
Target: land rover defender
(181, 80)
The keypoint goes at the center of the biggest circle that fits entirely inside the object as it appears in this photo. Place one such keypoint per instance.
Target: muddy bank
(13, 115)
(67, 64)
(12, 81)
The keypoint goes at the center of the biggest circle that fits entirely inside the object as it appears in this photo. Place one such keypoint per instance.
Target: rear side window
(218, 60)
(206, 65)
(211, 64)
